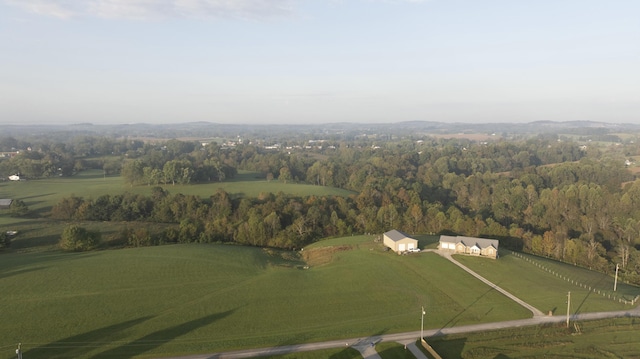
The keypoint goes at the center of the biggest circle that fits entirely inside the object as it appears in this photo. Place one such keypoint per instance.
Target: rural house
(470, 245)
(399, 242)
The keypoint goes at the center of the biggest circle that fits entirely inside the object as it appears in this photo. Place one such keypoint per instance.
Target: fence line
(619, 299)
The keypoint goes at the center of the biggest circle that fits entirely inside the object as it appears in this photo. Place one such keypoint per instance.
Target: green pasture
(547, 289)
(184, 299)
(41, 194)
(611, 338)
(336, 353)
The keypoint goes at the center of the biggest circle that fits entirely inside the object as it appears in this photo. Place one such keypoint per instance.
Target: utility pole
(19, 351)
(615, 281)
(568, 306)
(422, 325)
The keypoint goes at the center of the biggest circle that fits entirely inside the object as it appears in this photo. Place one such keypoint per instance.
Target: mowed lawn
(181, 299)
(547, 289)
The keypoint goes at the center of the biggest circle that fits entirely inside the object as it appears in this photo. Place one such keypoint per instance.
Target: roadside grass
(610, 338)
(186, 299)
(547, 289)
(337, 353)
(393, 350)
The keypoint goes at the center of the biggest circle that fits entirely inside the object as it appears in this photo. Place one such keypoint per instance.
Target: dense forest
(564, 198)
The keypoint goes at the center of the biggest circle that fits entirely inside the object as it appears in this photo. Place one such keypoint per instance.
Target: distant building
(482, 247)
(14, 178)
(399, 242)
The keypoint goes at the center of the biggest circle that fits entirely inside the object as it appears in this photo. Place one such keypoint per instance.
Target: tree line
(561, 199)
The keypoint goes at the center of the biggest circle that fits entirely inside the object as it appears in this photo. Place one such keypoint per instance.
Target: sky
(318, 61)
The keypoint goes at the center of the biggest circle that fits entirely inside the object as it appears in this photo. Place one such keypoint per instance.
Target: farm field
(181, 299)
(611, 338)
(41, 194)
(547, 291)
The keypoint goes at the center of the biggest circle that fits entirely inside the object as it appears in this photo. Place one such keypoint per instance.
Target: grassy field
(547, 291)
(38, 233)
(171, 300)
(613, 338)
(40, 195)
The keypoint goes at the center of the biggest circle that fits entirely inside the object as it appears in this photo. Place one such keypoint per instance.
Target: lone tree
(78, 239)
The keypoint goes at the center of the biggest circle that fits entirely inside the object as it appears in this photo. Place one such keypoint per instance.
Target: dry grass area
(318, 256)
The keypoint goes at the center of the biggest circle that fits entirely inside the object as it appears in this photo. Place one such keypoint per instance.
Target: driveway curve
(534, 310)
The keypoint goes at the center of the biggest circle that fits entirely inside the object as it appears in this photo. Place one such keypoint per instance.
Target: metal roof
(396, 235)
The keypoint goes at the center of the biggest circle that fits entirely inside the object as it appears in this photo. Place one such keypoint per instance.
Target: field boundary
(606, 294)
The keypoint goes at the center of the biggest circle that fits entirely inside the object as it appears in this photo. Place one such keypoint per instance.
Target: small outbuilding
(470, 245)
(399, 242)
(5, 203)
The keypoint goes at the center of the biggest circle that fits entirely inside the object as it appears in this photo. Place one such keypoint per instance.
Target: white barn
(399, 242)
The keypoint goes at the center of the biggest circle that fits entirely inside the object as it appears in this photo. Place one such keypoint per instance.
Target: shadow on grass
(38, 195)
(346, 353)
(82, 344)
(446, 348)
(8, 274)
(453, 320)
(396, 351)
(156, 339)
(577, 311)
(37, 261)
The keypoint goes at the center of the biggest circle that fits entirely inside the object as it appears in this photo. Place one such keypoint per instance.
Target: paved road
(364, 345)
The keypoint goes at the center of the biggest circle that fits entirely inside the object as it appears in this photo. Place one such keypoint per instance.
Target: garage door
(410, 246)
(401, 247)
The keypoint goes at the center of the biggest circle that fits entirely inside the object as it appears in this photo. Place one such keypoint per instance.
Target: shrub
(76, 238)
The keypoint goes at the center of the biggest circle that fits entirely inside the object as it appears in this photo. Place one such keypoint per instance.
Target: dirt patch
(282, 258)
(318, 256)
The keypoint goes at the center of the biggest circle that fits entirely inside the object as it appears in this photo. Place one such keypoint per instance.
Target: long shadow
(453, 320)
(38, 195)
(156, 339)
(12, 273)
(82, 344)
(448, 348)
(37, 261)
(588, 294)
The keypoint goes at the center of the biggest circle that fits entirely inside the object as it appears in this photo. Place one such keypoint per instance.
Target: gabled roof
(396, 235)
(5, 203)
(471, 241)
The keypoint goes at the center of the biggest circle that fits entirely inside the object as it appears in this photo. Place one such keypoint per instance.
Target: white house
(399, 242)
(14, 178)
(470, 245)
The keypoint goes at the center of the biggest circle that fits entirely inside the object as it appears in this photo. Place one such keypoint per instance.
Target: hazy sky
(318, 61)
